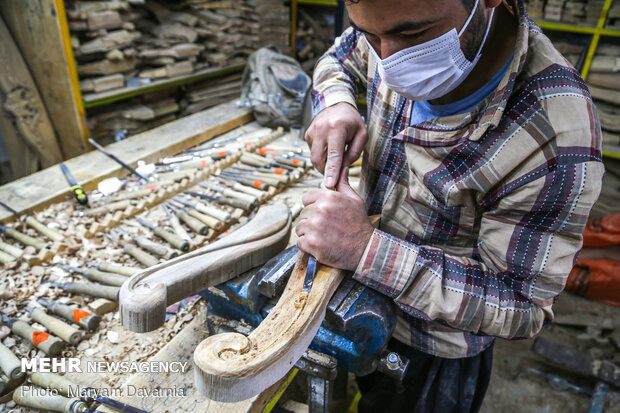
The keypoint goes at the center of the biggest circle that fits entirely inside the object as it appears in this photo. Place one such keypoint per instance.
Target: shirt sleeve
(340, 71)
(528, 242)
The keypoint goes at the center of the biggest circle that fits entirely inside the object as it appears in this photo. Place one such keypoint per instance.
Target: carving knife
(117, 160)
(310, 273)
(31, 222)
(76, 188)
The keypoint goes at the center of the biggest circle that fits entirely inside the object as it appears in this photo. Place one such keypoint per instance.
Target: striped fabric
(481, 213)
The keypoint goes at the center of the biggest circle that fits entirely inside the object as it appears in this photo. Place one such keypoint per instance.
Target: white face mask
(432, 69)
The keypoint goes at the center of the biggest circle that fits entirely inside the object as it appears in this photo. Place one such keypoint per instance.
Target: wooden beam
(35, 26)
(22, 102)
(40, 189)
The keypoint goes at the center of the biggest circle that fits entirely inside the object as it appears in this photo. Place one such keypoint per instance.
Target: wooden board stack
(566, 11)
(124, 43)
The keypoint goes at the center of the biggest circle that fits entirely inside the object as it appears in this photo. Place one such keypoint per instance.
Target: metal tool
(48, 343)
(78, 191)
(31, 222)
(171, 238)
(252, 183)
(23, 238)
(213, 144)
(233, 202)
(273, 275)
(10, 364)
(176, 224)
(106, 278)
(250, 190)
(310, 273)
(230, 193)
(250, 176)
(66, 387)
(216, 213)
(117, 160)
(555, 382)
(196, 225)
(83, 318)
(116, 268)
(139, 254)
(149, 245)
(96, 290)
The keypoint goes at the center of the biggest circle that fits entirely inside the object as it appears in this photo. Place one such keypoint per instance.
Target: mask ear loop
(471, 15)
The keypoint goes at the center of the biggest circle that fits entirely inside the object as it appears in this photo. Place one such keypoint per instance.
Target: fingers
(335, 152)
(318, 151)
(343, 185)
(356, 146)
(311, 197)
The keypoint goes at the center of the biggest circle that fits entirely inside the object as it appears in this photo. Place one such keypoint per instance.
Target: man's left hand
(333, 226)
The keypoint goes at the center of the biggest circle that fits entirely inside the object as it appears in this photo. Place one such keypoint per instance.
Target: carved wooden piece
(145, 296)
(231, 367)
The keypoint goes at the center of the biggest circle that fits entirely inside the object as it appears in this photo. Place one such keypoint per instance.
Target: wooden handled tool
(95, 290)
(106, 278)
(48, 343)
(31, 222)
(118, 269)
(231, 367)
(46, 400)
(63, 330)
(113, 206)
(176, 225)
(4, 383)
(244, 188)
(23, 238)
(143, 300)
(6, 258)
(11, 249)
(231, 193)
(196, 225)
(212, 211)
(234, 202)
(171, 238)
(10, 364)
(252, 183)
(83, 318)
(197, 213)
(150, 246)
(142, 256)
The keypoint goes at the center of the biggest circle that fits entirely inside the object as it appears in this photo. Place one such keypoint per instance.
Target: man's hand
(333, 226)
(334, 128)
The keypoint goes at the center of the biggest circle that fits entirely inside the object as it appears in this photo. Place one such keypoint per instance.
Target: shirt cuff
(331, 97)
(387, 264)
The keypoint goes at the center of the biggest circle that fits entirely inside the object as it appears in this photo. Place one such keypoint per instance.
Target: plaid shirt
(481, 213)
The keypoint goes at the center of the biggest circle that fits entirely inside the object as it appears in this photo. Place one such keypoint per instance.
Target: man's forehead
(383, 16)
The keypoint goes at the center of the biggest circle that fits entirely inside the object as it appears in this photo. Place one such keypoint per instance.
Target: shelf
(102, 98)
(571, 28)
(329, 3)
(614, 153)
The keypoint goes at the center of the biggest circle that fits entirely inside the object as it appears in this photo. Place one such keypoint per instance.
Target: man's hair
(469, 4)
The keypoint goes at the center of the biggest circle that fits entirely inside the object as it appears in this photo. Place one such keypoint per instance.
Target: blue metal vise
(358, 322)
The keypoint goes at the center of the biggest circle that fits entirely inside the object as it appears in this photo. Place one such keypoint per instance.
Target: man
(482, 153)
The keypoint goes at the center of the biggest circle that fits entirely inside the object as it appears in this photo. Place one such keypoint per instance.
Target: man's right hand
(336, 137)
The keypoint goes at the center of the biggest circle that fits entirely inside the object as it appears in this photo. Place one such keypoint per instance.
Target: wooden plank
(23, 101)
(44, 187)
(36, 29)
(180, 349)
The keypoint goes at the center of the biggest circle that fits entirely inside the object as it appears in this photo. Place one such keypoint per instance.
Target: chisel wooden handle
(178, 228)
(250, 190)
(11, 249)
(82, 318)
(118, 269)
(239, 195)
(55, 382)
(208, 220)
(172, 238)
(214, 212)
(106, 278)
(48, 232)
(290, 162)
(253, 183)
(252, 162)
(196, 225)
(114, 206)
(267, 179)
(10, 364)
(94, 290)
(285, 179)
(144, 257)
(156, 248)
(25, 239)
(6, 258)
(30, 396)
(40, 339)
(63, 330)
(238, 203)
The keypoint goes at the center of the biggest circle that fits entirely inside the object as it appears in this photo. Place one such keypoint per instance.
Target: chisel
(6, 258)
(45, 400)
(195, 224)
(46, 342)
(23, 238)
(78, 191)
(212, 211)
(274, 274)
(142, 256)
(176, 224)
(10, 364)
(243, 188)
(95, 290)
(251, 175)
(117, 268)
(66, 387)
(83, 318)
(271, 174)
(61, 329)
(230, 193)
(149, 245)
(233, 202)
(310, 273)
(11, 249)
(106, 278)
(252, 183)
(117, 160)
(31, 222)
(166, 235)
(198, 213)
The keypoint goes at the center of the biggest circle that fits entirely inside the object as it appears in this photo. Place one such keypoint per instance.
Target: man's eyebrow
(401, 27)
